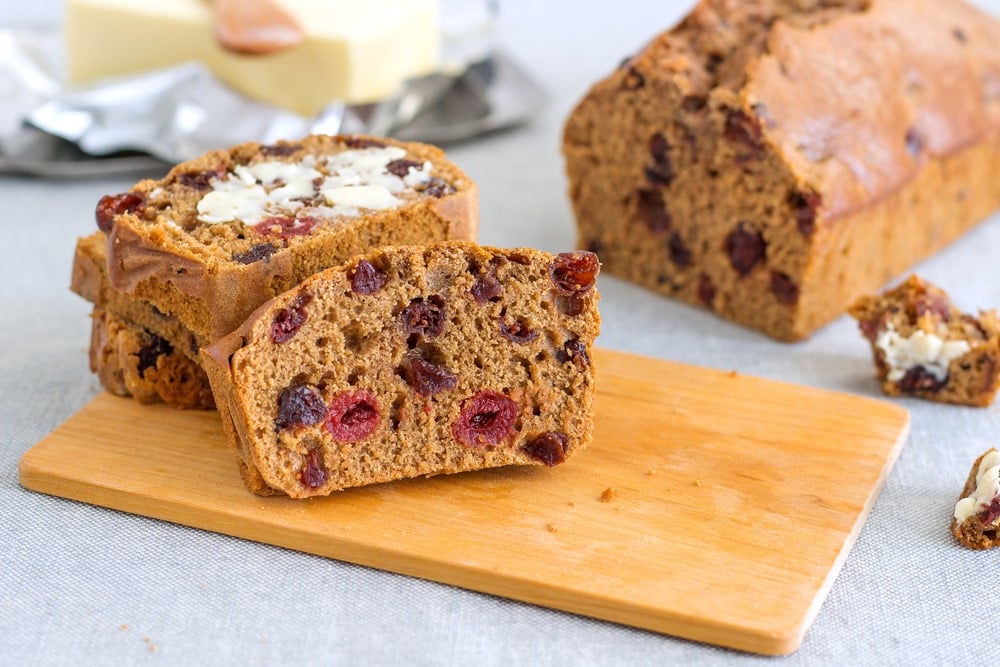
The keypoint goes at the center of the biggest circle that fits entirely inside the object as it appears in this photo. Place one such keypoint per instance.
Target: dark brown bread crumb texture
(973, 533)
(915, 305)
(212, 276)
(412, 361)
(772, 160)
(131, 361)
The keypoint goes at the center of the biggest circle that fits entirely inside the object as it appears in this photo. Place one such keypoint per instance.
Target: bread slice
(412, 361)
(923, 346)
(223, 233)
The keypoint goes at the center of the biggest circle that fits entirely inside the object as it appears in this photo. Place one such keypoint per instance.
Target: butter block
(353, 51)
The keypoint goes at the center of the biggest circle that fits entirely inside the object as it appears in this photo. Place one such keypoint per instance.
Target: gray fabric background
(85, 585)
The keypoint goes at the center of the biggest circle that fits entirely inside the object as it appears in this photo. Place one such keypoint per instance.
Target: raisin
(111, 205)
(280, 149)
(402, 167)
(959, 35)
(571, 305)
(286, 227)
(660, 172)
(784, 288)
(425, 317)
(634, 80)
(680, 254)
(254, 254)
(517, 331)
(486, 288)
(201, 180)
(706, 290)
(576, 352)
(919, 378)
(428, 379)
(652, 211)
(288, 321)
(914, 142)
(313, 473)
(746, 248)
(549, 448)
(299, 405)
(574, 273)
(366, 279)
(805, 206)
(487, 418)
(352, 416)
(745, 130)
(437, 187)
(151, 351)
(694, 103)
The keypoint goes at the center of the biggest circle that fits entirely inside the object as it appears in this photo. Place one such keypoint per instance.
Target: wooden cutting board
(711, 505)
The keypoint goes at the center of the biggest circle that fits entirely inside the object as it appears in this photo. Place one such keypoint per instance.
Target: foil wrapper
(139, 123)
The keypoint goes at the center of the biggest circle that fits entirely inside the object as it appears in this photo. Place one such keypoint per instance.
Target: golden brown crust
(753, 162)
(971, 533)
(190, 271)
(524, 341)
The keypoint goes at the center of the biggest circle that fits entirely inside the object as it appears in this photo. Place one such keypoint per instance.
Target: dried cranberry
(288, 321)
(680, 254)
(362, 142)
(486, 288)
(576, 352)
(517, 331)
(313, 473)
(574, 273)
(706, 290)
(805, 205)
(151, 351)
(871, 329)
(285, 226)
(425, 317)
(745, 130)
(651, 210)
(201, 180)
(660, 172)
(367, 279)
(990, 513)
(352, 416)
(111, 205)
(402, 166)
(280, 149)
(549, 448)
(428, 379)
(299, 406)
(919, 378)
(914, 142)
(746, 248)
(437, 187)
(784, 288)
(254, 254)
(487, 418)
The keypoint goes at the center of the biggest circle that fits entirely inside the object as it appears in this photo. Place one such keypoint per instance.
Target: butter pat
(353, 51)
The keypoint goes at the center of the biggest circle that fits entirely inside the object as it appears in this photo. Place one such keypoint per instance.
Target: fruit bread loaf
(221, 234)
(977, 514)
(414, 360)
(131, 361)
(772, 160)
(924, 346)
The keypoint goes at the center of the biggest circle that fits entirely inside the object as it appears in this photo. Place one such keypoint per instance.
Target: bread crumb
(123, 626)
(571, 504)
(551, 527)
(650, 472)
(697, 482)
(152, 647)
(607, 495)
(733, 374)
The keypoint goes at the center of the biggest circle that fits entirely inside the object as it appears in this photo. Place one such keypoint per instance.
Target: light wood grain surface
(712, 506)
